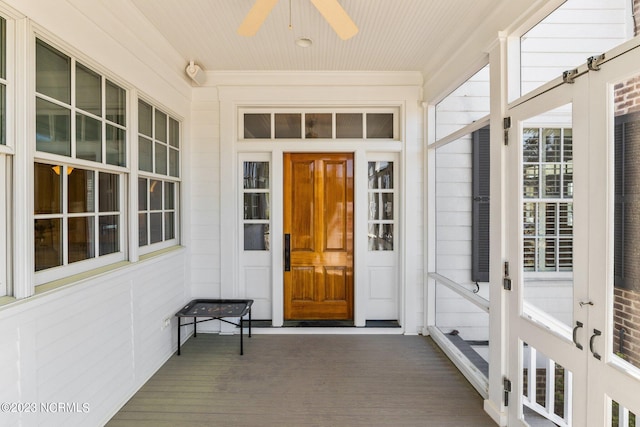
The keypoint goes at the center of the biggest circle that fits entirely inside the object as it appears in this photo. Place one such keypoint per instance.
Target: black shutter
(626, 269)
(480, 210)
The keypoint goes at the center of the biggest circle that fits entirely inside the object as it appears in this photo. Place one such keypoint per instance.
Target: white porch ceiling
(395, 35)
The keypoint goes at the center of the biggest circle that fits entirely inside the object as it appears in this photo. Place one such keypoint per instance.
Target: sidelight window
(256, 206)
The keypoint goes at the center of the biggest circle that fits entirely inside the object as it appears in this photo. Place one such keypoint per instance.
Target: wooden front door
(318, 227)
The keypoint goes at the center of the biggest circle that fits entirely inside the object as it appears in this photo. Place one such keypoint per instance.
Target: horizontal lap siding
(593, 29)
(205, 213)
(94, 342)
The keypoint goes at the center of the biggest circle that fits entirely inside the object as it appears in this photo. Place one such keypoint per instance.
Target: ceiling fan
(330, 9)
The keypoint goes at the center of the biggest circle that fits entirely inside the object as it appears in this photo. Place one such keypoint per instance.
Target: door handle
(287, 252)
(596, 333)
(575, 333)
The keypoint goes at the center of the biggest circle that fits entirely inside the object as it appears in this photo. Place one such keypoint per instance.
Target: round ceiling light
(303, 42)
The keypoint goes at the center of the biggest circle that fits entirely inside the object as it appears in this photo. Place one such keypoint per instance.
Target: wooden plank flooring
(306, 380)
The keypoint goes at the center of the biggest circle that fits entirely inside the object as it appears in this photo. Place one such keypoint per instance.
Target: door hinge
(506, 384)
(506, 125)
(506, 280)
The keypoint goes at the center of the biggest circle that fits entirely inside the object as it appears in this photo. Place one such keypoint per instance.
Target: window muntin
(77, 214)
(157, 214)
(78, 210)
(98, 110)
(381, 206)
(158, 182)
(256, 206)
(158, 141)
(320, 125)
(548, 194)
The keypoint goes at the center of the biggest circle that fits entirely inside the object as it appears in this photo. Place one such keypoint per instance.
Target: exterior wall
(205, 195)
(577, 30)
(90, 342)
(454, 174)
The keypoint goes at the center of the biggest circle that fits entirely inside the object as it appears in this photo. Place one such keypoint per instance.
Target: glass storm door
(574, 242)
(318, 240)
(613, 326)
(547, 205)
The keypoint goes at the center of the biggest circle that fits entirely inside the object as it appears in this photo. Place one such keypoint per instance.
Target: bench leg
(179, 335)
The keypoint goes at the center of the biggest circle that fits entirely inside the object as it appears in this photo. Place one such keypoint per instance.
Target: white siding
(94, 342)
(205, 196)
(567, 37)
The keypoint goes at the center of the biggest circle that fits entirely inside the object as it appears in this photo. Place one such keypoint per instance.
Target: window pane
(81, 190)
(109, 192)
(552, 138)
(88, 138)
(380, 237)
(348, 125)
(116, 103)
(288, 125)
(145, 154)
(155, 227)
(53, 73)
(143, 237)
(174, 133)
(169, 195)
(161, 158)
(624, 297)
(142, 194)
(380, 175)
(161, 126)
(374, 206)
(47, 189)
(257, 126)
(81, 238)
(145, 119)
(317, 125)
(109, 234)
(48, 243)
(256, 175)
(256, 237)
(531, 145)
(256, 206)
(116, 146)
(387, 206)
(155, 195)
(379, 125)
(3, 115)
(88, 90)
(169, 226)
(174, 162)
(53, 123)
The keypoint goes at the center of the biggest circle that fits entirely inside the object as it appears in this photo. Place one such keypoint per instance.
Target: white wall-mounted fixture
(196, 73)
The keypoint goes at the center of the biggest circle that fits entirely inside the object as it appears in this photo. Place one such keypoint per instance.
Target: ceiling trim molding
(314, 78)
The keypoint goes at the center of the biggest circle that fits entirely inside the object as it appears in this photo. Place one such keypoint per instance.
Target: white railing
(530, 400)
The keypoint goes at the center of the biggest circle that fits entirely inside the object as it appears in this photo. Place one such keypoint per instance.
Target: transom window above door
(316, 124)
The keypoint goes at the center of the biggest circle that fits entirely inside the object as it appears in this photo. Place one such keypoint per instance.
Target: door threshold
(327, 324)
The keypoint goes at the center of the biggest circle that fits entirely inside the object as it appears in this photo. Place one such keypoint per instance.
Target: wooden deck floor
(306, 380)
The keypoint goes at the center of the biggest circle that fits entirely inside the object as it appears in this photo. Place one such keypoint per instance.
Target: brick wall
(627, 301)
(627, 316)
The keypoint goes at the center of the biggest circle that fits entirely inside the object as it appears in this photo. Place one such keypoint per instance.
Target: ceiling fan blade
(255, 17)
(337, 17)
